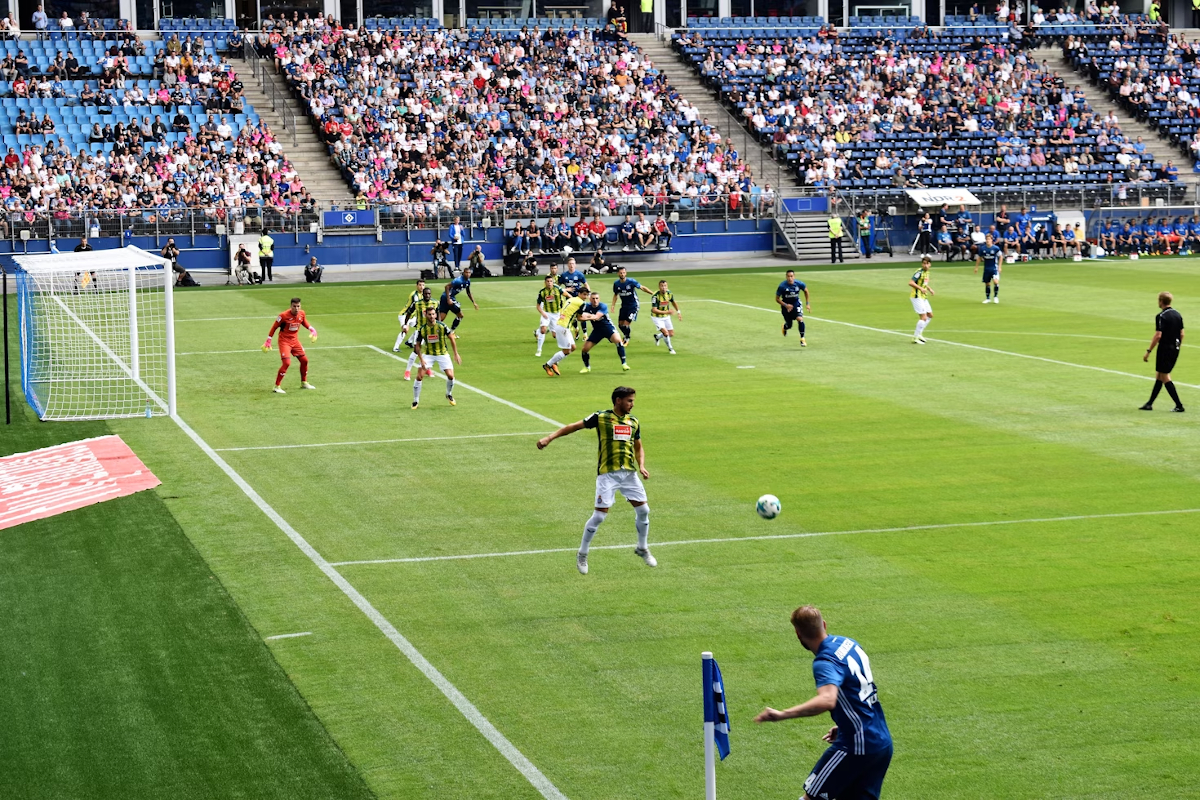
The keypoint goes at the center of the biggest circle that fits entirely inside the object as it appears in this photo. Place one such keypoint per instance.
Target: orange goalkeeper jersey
(289, 326)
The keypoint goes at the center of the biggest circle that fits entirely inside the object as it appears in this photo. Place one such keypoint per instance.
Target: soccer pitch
(1013, 542)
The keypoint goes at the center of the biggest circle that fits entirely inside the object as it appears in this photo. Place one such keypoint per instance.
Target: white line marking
(468, 387)
(955, 344)
(465, 707)
(260, 350)
(374, 441)
(745, 367)
(773, 537)
(343, 314)
(286, 636)
(1056, 335)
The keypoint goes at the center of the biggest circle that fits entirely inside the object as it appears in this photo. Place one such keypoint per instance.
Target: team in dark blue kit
(860, 744)
(448, 302)
(990, 255)
(625, 290)
(596, 313)
(788, 298)
(575, 284)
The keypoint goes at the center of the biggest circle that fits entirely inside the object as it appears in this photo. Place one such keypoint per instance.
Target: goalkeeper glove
(312, 334)
(266, 345)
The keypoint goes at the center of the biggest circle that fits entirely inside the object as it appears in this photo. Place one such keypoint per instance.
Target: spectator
(662, 233)
(40, 22)
(313, 271)
(644, 231)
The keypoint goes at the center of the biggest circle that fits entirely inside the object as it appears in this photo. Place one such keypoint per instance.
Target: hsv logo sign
(56, 479)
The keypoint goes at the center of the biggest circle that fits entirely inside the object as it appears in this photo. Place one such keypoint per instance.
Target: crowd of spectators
(556, 122)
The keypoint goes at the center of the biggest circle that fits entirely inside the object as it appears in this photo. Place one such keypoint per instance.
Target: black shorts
(446, 306)
(793, 315)
(601, 333)
(1164, 362)
(839, 774)
(989, 275)
(628, 314)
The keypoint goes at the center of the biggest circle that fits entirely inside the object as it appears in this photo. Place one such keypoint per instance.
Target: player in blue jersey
(626, 289)
(860, 744)
(1127, 239)
(788, 298)
(448, 301)
(1107, 235)
(596, 313)
(990, 256)
(1012, 242)
(575, 284)
(1193, 235)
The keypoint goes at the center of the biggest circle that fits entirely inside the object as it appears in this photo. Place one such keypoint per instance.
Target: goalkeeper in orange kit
(289, 324)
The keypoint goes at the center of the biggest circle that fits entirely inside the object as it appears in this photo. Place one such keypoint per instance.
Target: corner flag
(716, 723)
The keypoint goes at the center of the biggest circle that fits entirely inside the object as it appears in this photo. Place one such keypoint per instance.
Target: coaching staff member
(860, 745)
(1168, 336)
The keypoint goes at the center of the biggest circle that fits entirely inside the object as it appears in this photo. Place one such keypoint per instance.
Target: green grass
(1025, 660)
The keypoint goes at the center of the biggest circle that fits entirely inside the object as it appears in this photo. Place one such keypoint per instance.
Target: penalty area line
(952, 343)
(465, 707)
(777, 536)
(286, 636)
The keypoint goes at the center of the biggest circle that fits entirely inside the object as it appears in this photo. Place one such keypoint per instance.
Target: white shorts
(412, 337)
(921, 305)
(548, 321)
(564, 337)
(663, 323)
(625, 481)
(441, 361)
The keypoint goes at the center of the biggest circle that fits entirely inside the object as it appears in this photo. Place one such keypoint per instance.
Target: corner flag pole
(710, 745)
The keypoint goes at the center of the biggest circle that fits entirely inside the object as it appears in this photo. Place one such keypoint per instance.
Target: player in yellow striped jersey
(660, 312)
(405, 320)
(550, 301)
(919, 292)
(562, 331)
(620, 461)
(433, 345)
(414, 317)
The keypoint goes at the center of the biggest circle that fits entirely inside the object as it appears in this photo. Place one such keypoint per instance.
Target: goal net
(97, 334)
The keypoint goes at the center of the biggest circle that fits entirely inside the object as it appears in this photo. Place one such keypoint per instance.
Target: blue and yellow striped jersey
(616, 435)
(434, 339)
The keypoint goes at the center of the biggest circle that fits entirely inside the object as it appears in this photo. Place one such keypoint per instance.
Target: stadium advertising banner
(335, 219)
(932, 198)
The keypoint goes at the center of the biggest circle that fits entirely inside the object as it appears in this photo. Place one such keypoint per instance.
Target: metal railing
(1061, 198)
(263, 70)
(188, 223)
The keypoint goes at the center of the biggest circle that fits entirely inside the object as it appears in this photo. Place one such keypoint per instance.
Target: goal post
(97, 334)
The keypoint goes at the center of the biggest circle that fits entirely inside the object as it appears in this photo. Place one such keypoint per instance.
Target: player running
(621, 459)
(405, 316)
(660, 313)
(433, 345)
(626, 289)
(596, 313)
(289, 324)
(448, 302)
(550, 300)
(788, 298)
(990, 256)
(562, 333)
(414, 316)
(921, 290)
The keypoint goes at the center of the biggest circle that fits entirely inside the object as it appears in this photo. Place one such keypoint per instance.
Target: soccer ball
(768, 506)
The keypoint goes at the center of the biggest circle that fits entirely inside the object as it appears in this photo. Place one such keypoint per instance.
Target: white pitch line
(260, 350)
(468, 387)
(374, 441)
(775, 537)
(460, 701)
(955, 344)
(286, 636)
(342, 314)
(1055, 335)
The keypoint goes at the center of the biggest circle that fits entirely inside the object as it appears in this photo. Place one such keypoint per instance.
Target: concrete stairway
(1161, 147)
(687, 82)
(308, 154)
(807, 238)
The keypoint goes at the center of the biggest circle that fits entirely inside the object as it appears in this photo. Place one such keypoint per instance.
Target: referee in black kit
(1168, 336)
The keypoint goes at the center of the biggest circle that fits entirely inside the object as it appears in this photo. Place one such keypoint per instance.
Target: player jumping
(596, 313)
(660, 313)
(289, 324)
(433, 345)
(788, 298)
(989, 255)
(626, 289)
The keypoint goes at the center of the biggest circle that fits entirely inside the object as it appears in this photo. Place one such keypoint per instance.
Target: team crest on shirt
(622, 433)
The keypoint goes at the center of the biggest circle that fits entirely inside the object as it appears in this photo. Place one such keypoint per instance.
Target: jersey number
(866, 681)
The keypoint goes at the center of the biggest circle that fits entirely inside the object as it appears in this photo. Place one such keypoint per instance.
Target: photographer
(439, 256)
(313, 271)
(171, 253)
(242, 266)
(475, 262)
(598, 265)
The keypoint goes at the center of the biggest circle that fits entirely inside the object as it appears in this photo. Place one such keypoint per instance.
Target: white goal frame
(86, 351)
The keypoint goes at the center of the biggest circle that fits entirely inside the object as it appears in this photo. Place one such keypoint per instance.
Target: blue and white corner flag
(714, 704)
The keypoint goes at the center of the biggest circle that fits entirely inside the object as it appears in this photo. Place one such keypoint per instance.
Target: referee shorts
(1165, 360)
(847, 777)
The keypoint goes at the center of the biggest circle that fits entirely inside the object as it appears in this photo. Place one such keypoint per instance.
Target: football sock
(587, 359)
(787, 324)
(449, 387)
(641, 516)
(800, 325)
(921, 325)
(557, 357)
(399, 340)
(303, 368)
(283, 368)
(987, 291)
(589, 530)
(1154, 392)
(1171, 391)
(625, 331)
(670, 344)
(621, 352)
(996, 290)
(417, 392)
(412, 359)
(454, 325)
(541, 337)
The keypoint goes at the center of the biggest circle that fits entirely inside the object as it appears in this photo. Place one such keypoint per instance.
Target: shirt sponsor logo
(622, 433)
